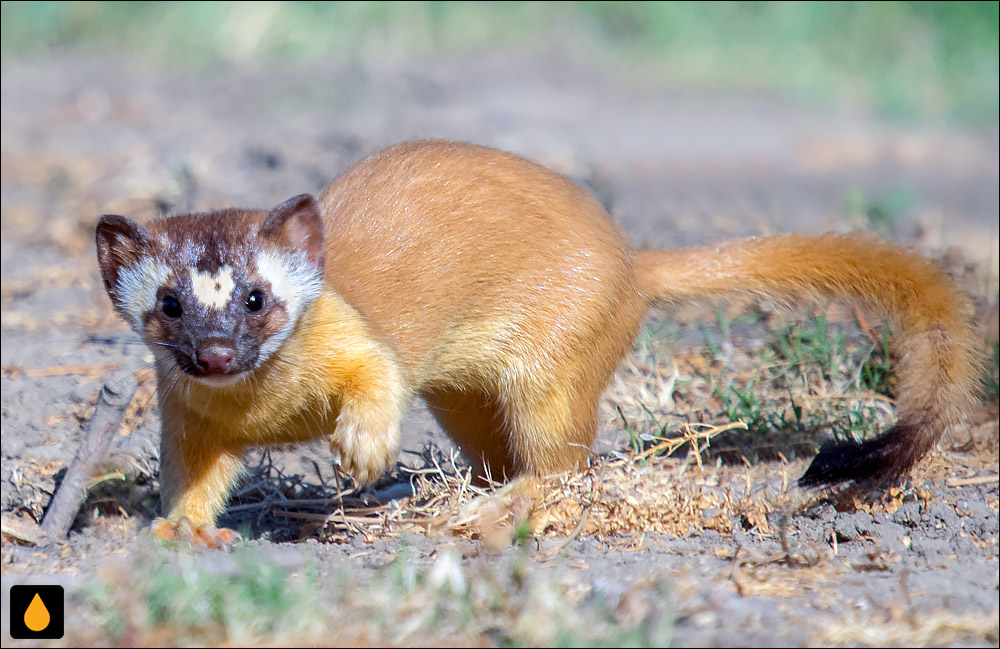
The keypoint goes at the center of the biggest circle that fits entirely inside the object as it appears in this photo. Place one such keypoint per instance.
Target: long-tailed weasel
(495, 289)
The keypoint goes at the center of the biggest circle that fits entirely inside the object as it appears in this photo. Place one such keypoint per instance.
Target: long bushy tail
(940, 353)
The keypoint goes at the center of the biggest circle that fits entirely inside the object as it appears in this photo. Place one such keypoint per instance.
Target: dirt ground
(88, 137)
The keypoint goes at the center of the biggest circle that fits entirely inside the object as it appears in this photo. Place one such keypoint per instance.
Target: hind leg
(535, 430)
(539, 415)
(475, 420)
(552, 428)
(552, 390)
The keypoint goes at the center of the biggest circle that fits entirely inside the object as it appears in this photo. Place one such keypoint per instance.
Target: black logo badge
(36, 612)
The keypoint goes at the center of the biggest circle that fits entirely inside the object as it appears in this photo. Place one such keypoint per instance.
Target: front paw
(365, 453)
(208, 536)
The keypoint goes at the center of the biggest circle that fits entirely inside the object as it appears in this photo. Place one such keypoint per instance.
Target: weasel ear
(121, 242)
(296, 223)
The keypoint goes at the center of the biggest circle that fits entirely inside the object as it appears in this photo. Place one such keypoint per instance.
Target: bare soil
(748, 560)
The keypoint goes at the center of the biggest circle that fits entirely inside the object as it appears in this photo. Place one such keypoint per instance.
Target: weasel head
(215, 294)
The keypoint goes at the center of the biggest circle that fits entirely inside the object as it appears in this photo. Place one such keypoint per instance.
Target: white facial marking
(293, 279)
(213, 290)
(137, 286)
(295, 282)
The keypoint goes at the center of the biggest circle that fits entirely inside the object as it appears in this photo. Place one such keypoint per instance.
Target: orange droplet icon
(37, 616)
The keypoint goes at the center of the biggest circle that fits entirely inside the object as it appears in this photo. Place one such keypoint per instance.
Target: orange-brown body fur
(503, 294)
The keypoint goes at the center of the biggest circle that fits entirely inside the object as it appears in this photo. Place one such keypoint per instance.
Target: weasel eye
(171, 307)
(255, 301)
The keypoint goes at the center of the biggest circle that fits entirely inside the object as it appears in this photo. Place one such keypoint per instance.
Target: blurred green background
(934, 61)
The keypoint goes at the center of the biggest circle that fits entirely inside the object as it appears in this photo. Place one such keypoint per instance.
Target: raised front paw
(366, 452)
(208, 536)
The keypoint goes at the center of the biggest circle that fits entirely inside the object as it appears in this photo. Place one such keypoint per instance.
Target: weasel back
(474, 261)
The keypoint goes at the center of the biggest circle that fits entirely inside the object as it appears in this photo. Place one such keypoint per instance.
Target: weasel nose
(216, 358)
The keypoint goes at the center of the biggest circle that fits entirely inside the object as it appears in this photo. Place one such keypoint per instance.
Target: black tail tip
(832, 466)
(888, 456)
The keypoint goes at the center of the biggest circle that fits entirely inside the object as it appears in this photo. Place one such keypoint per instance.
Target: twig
(964, 482)
(24, 531)
(112, 403)
(581, 525)
(62, 370)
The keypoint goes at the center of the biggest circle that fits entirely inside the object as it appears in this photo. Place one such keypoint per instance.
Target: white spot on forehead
(213, 290)
(136, 289)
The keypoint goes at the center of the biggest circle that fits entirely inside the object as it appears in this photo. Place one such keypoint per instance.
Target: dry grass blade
(626, 493)
(936, 628)
(669, 446)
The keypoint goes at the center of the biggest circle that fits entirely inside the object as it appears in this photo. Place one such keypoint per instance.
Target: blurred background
(908, 60)
(691, 121)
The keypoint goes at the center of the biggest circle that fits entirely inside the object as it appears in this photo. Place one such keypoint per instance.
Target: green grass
(878, 213)
(905, 60)
(237, 598)
(169, 596)
(805, 363)
(791, 385)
